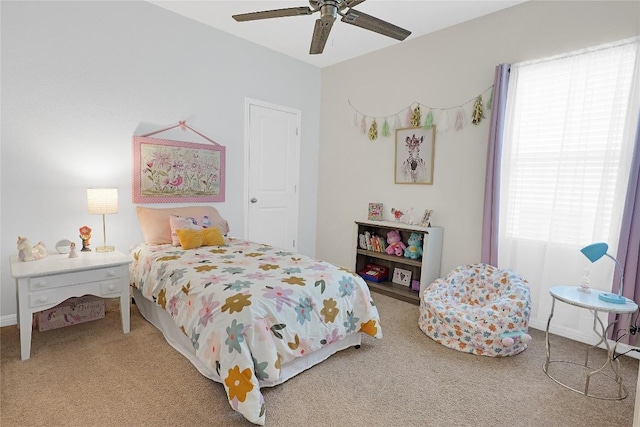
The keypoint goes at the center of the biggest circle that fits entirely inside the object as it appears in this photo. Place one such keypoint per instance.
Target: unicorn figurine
(26, 252)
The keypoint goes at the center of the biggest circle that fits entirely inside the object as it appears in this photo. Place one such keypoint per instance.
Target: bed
(246, 314)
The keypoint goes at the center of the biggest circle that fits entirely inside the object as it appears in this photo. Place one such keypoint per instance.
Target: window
(568, 145)
(569, 131)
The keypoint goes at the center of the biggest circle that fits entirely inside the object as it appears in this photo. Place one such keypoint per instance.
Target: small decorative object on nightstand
(63, 246)
(26, 252)
(73, 252)
(85, 236)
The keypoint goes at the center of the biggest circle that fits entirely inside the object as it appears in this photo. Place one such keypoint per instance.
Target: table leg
(25, 319)
(125, 310)
(26, 322)
(547, 343)
(615, 367)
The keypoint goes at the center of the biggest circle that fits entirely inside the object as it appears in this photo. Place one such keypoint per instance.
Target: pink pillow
(155, 226)
(190, 223)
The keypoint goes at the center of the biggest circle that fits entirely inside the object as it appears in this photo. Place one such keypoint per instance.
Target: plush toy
(363, 241)
(414, 250)
(395, 246)
(26, 252)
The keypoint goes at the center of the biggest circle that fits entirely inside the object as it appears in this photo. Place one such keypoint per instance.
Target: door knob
(254, 200)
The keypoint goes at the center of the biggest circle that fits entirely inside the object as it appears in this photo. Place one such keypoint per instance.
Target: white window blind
(566, 154)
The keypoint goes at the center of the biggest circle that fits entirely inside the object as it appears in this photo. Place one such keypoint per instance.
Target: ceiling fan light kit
(329, 11)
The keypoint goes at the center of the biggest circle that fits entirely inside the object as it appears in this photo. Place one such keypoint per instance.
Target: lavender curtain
(489, 253)
(629, 246)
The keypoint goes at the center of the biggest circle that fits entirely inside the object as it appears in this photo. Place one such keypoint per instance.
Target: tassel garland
(373, 130)
(478, 113)
(471, 111)
(428, 121)
(408, 117)
(443, 123)
(385, 128)
(415, 118)
(459, 119)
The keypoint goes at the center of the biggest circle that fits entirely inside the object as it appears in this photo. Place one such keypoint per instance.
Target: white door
(272, 165)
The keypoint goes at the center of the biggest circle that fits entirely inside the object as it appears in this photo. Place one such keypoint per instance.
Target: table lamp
(594, 252)
(103, 201)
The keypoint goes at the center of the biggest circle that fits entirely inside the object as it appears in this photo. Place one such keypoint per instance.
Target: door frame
(247, 143)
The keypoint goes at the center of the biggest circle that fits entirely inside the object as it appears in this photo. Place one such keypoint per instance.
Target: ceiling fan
(329, 11)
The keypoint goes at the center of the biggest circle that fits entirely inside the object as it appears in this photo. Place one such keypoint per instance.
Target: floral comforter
(248, 308)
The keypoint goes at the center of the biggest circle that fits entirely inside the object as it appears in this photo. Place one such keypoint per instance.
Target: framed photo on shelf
(415, 148)
(375, 212)
(402, 276)
(426, 218)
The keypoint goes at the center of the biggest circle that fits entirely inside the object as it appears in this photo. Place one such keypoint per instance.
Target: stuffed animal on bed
(414, 250)
(395, 245)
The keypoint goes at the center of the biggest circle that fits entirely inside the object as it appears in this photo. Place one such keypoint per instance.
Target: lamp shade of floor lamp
(102, 201)
(594, 252)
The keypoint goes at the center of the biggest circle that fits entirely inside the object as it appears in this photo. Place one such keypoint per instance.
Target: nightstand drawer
(110, 287)
(67, 279)
(43, 298)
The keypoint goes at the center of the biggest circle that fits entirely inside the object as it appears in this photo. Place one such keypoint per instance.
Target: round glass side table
(573, 296)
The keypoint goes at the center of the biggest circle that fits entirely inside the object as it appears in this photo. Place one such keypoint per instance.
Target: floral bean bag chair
(478, 309)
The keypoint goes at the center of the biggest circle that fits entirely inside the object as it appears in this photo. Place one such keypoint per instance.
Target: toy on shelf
(414, 250)
(397, 214)
(26, 252)
(395, 245)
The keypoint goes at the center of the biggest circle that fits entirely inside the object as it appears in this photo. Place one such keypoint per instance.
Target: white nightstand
(47, 282)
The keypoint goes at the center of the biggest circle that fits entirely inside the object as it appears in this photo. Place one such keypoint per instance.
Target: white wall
(80, 78)
(443, 69)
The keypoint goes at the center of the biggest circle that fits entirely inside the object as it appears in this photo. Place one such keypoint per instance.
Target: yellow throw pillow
(191, 239)
(212, 237)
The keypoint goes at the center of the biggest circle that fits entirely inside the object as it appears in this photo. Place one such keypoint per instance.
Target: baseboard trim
(572, 334)
(9, 320)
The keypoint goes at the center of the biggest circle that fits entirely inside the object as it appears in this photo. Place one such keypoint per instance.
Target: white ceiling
(292, 35)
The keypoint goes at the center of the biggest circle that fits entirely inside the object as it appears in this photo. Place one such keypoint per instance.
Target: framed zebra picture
(415, 148)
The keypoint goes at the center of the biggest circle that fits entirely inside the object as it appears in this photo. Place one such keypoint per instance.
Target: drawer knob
(41, 284)
(112, 287)
(111, 273)
(42, 299)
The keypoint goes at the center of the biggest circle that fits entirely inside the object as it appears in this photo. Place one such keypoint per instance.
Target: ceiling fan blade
(353, 3)
(320, 36)
(276, 13)
(374, 24)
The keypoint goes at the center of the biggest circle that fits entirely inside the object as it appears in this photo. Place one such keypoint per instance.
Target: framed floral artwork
(415, 148)
(169, 171)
